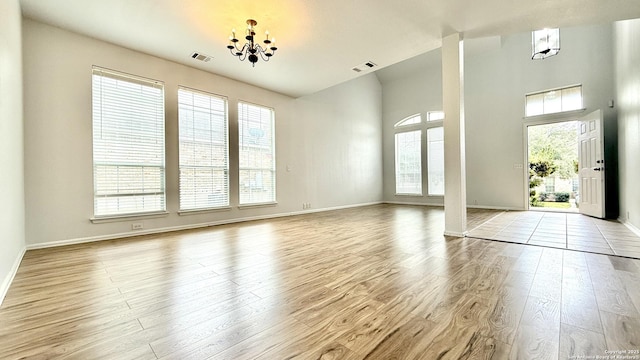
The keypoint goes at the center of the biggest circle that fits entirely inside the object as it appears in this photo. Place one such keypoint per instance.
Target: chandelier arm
(263, 55)
(251, 50)
(242, 52)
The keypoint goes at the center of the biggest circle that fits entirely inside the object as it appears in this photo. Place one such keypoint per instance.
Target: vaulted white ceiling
(319, 41)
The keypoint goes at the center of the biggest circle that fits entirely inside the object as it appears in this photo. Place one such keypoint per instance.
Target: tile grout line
(604, 237)
(534, 229)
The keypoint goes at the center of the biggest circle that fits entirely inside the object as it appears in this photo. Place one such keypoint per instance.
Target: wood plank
(621, 332)
(372, 282)
(576, 343)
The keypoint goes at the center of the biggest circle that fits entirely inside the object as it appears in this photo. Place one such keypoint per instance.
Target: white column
(455, 189)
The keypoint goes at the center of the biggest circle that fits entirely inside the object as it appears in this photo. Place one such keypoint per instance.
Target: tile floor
(561, 230)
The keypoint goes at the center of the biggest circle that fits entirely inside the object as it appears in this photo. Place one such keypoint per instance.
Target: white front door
(591, 165)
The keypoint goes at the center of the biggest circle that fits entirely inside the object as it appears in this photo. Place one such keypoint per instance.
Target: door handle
(598, 169)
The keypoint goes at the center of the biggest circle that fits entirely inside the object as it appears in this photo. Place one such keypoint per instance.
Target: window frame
(426, 122)
(412, 129)
(271, 147)
(543, 93)
(406, 122)
(439, 125)
(182, 208)
(100, 158)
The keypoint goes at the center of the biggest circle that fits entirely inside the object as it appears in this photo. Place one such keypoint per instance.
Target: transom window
(128, 144)
(435, 115)
(554, 101)
(411, 120)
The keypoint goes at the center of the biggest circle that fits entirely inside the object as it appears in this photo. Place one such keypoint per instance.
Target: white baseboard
(412, 203)
(455, 233)
(506, 208)
(186, 227)
(630, 226)
(4, 288)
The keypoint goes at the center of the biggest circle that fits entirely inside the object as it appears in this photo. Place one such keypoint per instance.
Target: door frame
(546, 119)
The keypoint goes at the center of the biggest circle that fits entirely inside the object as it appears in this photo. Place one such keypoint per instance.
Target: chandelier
(545, 43)
(250, 50)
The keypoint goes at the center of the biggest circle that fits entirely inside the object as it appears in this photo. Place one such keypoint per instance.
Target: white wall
(12, 238)
(411, 87)
(330, 141)
(627, 60)
(496, 82)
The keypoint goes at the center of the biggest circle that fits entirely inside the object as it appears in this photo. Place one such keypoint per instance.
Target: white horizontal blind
(204, 150)
(128, 144)
(408, 163)
(435, 160)
(257, 154)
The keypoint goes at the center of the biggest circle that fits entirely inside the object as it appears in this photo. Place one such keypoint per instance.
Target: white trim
(456, 234)
(203, 211)
(125, 217)
(4, 288)
(257, 205)
(507, 208)
(412, 203)
(184, 227)
(630, 226)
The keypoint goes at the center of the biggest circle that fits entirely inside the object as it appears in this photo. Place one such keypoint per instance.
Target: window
(554, 101)
(549, 184)
(204, 150)
(128, 144)
(435, 160)
(409, 145)
(411, 120)
(408, 163)
(257, 154)
(435, 115)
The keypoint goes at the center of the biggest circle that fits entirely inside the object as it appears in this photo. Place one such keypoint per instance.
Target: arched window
(409, 142)
(411, 120)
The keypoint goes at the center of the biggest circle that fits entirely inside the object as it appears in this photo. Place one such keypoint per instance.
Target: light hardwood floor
(377, 282)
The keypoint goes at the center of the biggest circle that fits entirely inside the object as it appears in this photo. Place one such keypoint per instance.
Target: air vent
(366, 66)
(201, 57)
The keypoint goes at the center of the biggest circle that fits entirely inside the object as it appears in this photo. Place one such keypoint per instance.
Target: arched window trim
(407, 121)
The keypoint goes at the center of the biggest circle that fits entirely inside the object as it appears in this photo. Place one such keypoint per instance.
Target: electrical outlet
(137, 226)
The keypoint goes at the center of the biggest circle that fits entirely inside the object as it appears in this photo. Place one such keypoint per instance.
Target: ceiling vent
(366, 66)
(201, 57)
